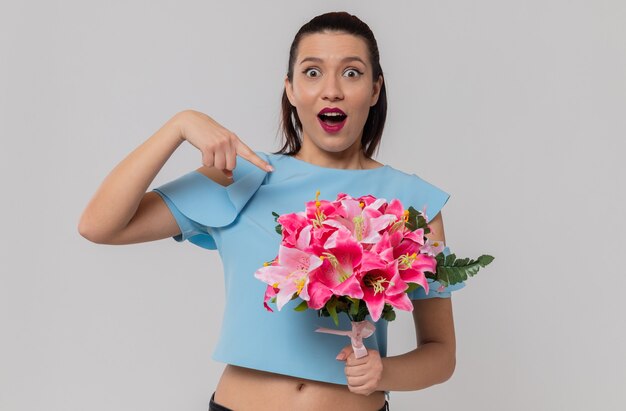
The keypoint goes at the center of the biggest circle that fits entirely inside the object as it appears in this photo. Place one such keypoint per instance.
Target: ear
(378, 85)
(289, 90)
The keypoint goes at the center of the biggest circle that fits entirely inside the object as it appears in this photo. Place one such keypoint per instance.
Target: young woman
(334, 109)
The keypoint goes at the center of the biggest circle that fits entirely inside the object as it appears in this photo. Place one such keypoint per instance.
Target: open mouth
(332, 119)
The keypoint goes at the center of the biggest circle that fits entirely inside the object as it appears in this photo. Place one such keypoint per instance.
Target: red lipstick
(332, 119)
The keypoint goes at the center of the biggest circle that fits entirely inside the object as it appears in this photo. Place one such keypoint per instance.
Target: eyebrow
(344, 60)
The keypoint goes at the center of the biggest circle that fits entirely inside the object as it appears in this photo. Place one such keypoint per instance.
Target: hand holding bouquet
(359, 256)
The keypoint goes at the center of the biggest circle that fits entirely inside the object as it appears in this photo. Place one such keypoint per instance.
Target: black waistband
(213, 406)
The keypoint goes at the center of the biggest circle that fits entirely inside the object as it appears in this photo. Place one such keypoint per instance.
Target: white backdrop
(515, 108)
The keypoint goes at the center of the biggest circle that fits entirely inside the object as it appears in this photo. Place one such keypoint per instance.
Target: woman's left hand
(363, 374)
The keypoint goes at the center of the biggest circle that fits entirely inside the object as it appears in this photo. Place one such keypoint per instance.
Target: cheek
(304, 95)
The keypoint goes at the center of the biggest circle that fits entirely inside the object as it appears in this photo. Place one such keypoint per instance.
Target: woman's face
(332, 90)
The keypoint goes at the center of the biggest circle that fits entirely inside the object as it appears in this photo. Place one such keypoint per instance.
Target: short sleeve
(199, 204)
(434, 290)
(429, 196)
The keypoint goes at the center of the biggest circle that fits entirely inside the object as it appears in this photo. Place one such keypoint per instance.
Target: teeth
(332, 114)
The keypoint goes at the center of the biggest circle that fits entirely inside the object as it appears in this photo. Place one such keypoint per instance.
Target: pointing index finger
(246, 152)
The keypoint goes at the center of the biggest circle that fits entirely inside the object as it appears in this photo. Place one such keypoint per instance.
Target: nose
(332, 90)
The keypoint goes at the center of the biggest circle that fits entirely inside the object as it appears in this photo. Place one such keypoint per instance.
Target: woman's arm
(121, 212)
(434, 359)
(432, 362)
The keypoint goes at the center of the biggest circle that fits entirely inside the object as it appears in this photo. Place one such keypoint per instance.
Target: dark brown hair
(344, 23)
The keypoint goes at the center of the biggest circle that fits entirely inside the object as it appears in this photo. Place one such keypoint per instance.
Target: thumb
(344, 353)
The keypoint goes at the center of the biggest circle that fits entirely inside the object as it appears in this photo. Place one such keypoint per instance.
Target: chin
(334, 148)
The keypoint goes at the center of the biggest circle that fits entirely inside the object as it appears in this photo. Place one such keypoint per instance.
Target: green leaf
(412, 286)
(302, 306)
(449, 260)
(361, 314)
(389, 315)
(485, 260)
(430, 275)
(330, 305)
(411, 223)
(354, 306)
(416, 220)
(451, 271)
(279, 227)
(441, 257)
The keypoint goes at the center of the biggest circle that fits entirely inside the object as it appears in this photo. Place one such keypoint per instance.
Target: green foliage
(353, 308)
(388, 313)
(279, 227)
(332, 310)
(451, 270)
(416, 221)
(412, 286)
(302, 306)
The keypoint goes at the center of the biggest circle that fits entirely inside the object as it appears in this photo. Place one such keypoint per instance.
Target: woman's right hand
(122, 212)
(219, 146)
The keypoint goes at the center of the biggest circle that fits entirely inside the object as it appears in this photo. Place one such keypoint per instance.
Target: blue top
(237, 220)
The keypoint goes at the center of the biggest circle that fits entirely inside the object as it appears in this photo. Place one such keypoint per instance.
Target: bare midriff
(243, 389)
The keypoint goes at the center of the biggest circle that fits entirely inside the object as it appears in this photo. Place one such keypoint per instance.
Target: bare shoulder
(215, 175)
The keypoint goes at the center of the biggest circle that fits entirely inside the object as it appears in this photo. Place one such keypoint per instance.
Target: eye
(312, 72)
(353, 73)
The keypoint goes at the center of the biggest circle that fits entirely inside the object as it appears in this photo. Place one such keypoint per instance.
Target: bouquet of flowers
(359, 256)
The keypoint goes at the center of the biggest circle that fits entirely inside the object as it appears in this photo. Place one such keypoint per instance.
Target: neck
(352, 158)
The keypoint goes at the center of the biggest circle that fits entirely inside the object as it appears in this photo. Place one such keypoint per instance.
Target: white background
(516, 108)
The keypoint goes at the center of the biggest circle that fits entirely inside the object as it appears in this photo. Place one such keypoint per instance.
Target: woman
(334, 109)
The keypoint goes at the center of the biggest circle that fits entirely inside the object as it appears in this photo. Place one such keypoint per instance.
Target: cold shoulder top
(237, 221)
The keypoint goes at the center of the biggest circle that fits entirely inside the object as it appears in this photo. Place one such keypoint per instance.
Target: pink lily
(319, 210)
(290, 274)
(341, 255)
(412, 264)
(270, 292)
(365, 222)
(292, 224)
(382, 285)
(432, 248)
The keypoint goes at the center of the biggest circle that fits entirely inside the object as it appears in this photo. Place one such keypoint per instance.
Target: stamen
(405, 261)
(343, 275)
(377, 283)
(299, 285)
(359, 227)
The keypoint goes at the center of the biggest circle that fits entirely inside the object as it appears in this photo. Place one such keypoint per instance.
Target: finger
(359, 381)
(344, 353)
(353, 361)
(246, 152)
(356, 371)
(231, 157)
(219, 161)
(207, 159)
